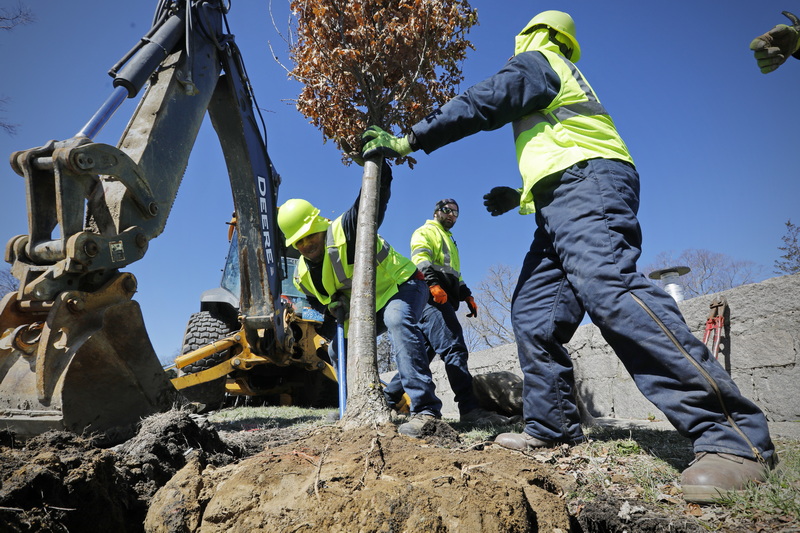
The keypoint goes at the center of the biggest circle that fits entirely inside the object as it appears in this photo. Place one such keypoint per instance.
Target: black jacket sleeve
(350, 217)
(527, 83)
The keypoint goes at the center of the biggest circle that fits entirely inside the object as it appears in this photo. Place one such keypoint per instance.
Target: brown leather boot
(711, 475)
(521, 441)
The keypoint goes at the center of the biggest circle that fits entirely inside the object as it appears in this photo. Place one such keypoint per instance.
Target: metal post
(342, 370)
(670, 278)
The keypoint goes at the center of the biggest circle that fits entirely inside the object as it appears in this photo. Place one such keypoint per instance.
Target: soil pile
(182, 473)
(363, 480)
(60, 481)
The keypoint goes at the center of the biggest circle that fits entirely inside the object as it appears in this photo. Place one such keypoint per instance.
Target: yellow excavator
(217, 365)
(74, 352)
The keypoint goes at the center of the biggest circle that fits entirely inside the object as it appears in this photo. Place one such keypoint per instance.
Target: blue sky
(712, 137)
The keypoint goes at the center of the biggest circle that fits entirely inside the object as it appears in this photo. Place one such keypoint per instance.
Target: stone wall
(761, 354)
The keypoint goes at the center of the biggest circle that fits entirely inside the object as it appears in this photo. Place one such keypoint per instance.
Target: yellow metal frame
(246, 359)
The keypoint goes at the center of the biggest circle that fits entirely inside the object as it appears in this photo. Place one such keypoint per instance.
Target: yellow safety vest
(392, 269)
(575, 127)
(433, 246)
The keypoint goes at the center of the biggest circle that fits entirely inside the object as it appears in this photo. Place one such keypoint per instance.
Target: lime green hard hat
(560, 22)
(298, 218)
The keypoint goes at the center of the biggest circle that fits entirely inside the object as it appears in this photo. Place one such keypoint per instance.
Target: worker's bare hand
(501, 200)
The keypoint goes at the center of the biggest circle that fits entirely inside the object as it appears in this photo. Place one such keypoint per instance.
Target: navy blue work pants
(583, 259)
(444, 336)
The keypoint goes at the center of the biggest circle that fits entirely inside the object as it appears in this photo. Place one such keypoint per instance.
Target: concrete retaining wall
(761, 355)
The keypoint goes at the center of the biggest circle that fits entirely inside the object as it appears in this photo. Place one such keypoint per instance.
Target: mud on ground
(184, 474)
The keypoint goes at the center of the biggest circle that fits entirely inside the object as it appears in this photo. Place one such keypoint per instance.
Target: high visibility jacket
(573, 128)
(557, 117)
(392, 269)
(435, 253)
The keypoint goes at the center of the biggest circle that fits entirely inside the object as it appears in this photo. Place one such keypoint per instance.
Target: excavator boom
(74, 352)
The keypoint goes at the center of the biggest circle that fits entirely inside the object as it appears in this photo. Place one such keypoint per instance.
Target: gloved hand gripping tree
(381, 63)
(373, 63)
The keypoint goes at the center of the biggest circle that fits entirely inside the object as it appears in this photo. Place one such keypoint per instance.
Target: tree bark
(365, 402)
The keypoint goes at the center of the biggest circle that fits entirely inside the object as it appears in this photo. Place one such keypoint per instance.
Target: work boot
(482, 417)
(413, 428)
(522, 442)
(711, 475)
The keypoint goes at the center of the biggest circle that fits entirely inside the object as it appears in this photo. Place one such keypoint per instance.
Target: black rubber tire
(317, 391)
(203, 329)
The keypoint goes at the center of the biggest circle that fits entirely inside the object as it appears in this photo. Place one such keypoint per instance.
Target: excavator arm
(74, 352)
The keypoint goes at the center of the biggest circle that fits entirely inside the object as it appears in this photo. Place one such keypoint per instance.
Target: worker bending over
(325, 274)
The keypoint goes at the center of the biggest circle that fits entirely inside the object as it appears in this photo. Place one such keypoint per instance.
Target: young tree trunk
(365, 402)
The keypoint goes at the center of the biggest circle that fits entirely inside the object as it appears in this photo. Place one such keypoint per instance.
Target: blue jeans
(445, 337)
(583, 259)
(400, 317)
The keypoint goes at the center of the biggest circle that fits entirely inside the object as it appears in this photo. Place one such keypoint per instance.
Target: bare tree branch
(20, 15)
(8, 283)
(710, 271)
(789, 263)
(492, 326)
(10, 18)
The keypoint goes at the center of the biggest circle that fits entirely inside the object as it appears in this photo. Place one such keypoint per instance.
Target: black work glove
(501, 200)
(473, 307)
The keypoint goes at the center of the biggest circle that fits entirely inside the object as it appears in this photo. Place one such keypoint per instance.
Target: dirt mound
(363, 480)
(60, 481)
(278, 473)
(51, 483)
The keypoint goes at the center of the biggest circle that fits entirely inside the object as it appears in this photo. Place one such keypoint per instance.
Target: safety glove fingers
(773, 48)
(382, 143)
(501, 200)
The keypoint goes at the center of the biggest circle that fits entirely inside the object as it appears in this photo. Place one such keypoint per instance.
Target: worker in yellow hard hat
(325, 274)
(773, 48)
(580, 183)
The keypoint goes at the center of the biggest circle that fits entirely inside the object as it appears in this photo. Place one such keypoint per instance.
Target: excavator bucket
(84, 365)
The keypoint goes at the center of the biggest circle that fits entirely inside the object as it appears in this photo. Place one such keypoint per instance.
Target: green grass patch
(779, 494)
(270, 417)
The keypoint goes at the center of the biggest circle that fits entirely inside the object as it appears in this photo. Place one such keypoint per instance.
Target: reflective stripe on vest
(575, 127)
(338, 264)
(445, 267)
(558, 115)
(591, 107)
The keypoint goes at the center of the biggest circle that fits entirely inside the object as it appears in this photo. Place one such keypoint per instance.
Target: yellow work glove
(383, 143)
(773, 48)
(439, 296)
